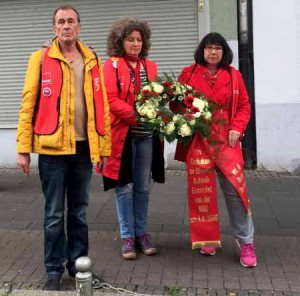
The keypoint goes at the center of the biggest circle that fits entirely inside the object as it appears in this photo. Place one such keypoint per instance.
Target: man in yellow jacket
(64, 117)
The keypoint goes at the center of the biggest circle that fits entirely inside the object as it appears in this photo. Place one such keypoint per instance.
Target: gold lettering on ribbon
(207, 219)
(243, 187)
(204, 171)
(206, 189)
(201, 219)
(199, 180)
(193, 220)
(212, 218)
(240, 178)
(191, 171)
(234, 171)
(203, 208)
(207, 198)
(199, 200)
(197, 161)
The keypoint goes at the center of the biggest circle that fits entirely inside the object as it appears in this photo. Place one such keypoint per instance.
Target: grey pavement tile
(295, 288)
(281, 205)
(153, 281)
(169, 282)
(111, 227)
(265, 286)
(200, 284)
(138, 280)
(154, 227)
(216, 282)
(287, 220)
(280, 284)
(248, 283)
(232, 284)
(280, 183)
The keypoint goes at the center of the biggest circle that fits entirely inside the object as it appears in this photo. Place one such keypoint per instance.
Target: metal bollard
(84, 276)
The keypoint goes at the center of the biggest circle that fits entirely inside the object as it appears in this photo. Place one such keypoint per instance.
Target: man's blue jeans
(132, 199)
(68, 175)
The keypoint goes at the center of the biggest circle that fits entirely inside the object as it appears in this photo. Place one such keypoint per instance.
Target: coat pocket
(55, 140)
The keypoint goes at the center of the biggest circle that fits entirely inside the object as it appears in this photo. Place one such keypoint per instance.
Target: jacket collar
(87, 53)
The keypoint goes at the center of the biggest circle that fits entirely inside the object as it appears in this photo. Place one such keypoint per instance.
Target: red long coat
(121, 108)
(234, 109)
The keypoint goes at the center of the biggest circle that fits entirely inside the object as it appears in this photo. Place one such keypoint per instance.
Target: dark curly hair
(214, 39)
(120, 29)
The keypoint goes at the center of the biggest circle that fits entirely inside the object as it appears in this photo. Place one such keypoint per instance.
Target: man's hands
(23, 162)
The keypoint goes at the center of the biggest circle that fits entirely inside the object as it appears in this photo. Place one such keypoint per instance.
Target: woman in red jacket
(136, 152)
(213, 76)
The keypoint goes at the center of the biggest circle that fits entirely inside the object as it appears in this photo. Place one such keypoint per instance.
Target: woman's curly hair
(120, 29)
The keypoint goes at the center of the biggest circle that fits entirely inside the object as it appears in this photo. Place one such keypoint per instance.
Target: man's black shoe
(72, 272)
(53, 282)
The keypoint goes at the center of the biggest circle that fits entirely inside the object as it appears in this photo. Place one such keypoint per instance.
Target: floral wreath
(173, 110)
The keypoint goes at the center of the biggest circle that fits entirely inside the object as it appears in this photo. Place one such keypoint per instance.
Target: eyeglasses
(211, 48)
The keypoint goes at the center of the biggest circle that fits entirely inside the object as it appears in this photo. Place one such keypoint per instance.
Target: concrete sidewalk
(275, 203)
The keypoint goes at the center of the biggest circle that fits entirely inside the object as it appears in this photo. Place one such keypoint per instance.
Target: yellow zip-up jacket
(62, 142)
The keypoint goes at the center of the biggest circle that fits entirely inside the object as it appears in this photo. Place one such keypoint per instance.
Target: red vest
(48, 105)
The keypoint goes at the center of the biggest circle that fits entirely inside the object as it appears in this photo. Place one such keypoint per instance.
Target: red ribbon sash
(202, 198)
(202, 192)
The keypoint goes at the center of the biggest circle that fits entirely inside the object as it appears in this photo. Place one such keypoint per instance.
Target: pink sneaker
(209, 251)
(247, 257)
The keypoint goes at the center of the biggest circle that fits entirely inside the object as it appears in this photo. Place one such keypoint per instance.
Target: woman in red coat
(136, 152)
(213, 76)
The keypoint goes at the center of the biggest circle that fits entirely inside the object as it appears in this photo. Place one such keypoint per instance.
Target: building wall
(276, 33)
(223, 18)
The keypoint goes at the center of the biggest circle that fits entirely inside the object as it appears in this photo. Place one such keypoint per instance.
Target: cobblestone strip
(255, 173)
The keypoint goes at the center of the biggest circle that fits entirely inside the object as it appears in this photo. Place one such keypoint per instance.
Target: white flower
(185, 130)
(147, 110)
(157, 87)
(151, 113)
(177, 117)
(197, 114)
(146, 87)
(178, 87)
(192, 122)
(142, 110)
(207, 115)
(198, 103)
(169, 128)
